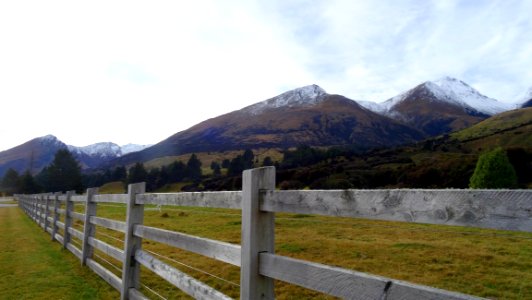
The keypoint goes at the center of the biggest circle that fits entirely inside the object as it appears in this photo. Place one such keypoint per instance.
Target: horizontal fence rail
(259, 201)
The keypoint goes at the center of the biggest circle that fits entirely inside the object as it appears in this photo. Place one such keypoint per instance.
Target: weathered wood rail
(259, 201)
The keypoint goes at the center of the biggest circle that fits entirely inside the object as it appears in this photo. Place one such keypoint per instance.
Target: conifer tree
(493, 171)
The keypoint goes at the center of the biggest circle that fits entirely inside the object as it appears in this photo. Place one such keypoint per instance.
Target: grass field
(486, 263)
(32, 267)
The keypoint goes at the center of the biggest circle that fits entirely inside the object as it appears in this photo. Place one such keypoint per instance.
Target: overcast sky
(140, 71)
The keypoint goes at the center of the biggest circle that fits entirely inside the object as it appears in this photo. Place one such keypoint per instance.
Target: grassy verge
(32, 267)
(486, 263)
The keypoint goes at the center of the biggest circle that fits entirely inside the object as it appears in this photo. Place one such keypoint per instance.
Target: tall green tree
(11, 182)
(193, 168)
(63, 174)
(137, 174)
(28, 185)
(493, 171)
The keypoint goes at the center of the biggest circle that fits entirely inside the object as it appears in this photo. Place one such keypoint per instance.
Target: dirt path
(33, 267)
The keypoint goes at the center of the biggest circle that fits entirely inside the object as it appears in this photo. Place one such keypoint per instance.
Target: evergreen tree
(216, 169)
(493, 171)
(267, 162)
(193, 169)
(226, 163)
(119, 174)
(137, 174)
(28, 185)
(63, 174)
(11, 182)
(176, 172)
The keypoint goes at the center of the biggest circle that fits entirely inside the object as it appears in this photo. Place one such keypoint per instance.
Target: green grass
(481, 262)
(32, 267)
(115, 187)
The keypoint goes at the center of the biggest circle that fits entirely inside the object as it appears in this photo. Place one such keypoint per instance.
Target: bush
(493, 171)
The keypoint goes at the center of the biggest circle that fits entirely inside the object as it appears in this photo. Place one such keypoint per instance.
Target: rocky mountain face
(306, 115)
(437, 107)
(39, 152)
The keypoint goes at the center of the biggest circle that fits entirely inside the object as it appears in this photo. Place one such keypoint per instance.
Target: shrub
(493, 171)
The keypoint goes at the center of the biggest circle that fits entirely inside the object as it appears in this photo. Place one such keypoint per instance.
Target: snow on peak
(454, 90)
(102, 149)
(129, 148)
(307, 95)
(524, 97)
(48, 138)
(446, 89)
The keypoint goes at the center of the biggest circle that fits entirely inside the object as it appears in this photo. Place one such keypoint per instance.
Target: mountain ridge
(37, 153)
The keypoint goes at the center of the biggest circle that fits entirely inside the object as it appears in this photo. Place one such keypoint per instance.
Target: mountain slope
(39, 152)
(306, 115)
(32, 155)
(439, 107)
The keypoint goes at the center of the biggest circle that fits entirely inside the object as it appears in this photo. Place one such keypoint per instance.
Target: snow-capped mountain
(39, 152)
(307, 95)
(107, 150)
(446, 89)
(525, 99)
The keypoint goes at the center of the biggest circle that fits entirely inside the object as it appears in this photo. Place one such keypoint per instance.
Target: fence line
(259, 201)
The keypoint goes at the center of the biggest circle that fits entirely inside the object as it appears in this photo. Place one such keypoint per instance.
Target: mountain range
(307, 115)
(39, 152)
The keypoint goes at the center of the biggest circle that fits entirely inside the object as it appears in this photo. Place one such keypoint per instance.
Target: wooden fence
(259, 201)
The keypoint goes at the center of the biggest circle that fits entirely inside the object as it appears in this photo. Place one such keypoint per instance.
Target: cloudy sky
(140, 71)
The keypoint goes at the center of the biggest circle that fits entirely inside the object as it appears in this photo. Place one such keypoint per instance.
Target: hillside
(510, 129)
(294, 118)
(447, 161)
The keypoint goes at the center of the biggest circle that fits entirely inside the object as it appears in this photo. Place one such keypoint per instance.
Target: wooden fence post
(46, 211)
(56, 215)
(257, 234)
(88, 229)
(69, 208)
(135, 216)
(43, 213)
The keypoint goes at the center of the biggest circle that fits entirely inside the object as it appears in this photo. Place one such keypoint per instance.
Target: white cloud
(136, 71)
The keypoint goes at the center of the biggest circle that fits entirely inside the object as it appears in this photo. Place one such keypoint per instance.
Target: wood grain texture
(105, 274)
(187, 284)
(88, 228)
(226, 252)
(344, 283)
(74, 250)
(78, 198)
(75, 233)
(258, 229)
(60, 225)
(199, 199)
(58, 238)
(111, 198)
(108, 223)
(76, 215)
(134, 216)
(112, 251)
(69, 207)
(497, 209)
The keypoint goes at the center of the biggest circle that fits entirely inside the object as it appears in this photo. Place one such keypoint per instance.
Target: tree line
(301, 167)
(64, 174)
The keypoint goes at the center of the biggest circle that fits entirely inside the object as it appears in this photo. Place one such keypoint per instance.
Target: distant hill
(508, 129)
(307, 115)
(39, 152)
